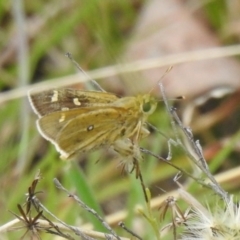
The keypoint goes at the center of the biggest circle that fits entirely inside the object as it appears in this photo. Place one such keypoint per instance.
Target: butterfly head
(148, 104)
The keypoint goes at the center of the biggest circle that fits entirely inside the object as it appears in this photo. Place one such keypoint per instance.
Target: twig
(175, 166)
(140, 65)
(122, 225)
(69, 55)
(200, 160)
(83, 205)
(76, 230)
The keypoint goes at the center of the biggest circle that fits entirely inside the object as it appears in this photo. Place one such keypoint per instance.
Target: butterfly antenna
(164, 74)
(69, 55)
(182, 97)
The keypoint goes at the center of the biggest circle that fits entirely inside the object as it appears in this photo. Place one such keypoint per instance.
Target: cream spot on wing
(90, 127)
(62, 118)
(76, 102)
(55, 96)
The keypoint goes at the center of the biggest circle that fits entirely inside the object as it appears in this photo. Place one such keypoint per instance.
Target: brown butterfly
(81, 121)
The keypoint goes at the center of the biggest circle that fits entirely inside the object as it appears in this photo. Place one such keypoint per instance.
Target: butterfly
(78, 121)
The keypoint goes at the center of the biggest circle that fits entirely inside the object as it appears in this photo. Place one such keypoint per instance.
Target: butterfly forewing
(54, 100)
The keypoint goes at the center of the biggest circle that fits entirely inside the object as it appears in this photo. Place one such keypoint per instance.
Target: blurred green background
(34, 38)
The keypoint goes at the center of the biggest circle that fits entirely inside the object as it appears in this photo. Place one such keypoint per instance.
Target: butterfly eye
(147, 107)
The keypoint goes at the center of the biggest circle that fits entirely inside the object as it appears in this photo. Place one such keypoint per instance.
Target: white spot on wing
(55, 96)
(62, 118)
(90, 127)
(76, 102)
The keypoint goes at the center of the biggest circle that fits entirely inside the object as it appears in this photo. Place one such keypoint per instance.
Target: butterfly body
(81, 121)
